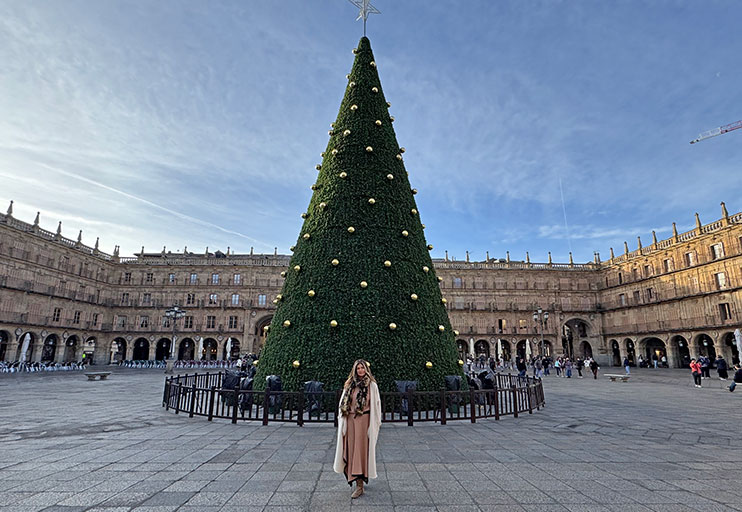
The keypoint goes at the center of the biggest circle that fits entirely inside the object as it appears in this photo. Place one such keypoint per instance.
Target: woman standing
(359, 419)
(695, 369)
(721, 368)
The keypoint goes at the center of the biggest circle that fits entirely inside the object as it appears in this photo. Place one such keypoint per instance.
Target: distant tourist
(737, 378)
(579, 364)
(522, 367)
(359, 420)
(705, 367)
(594, 368)
(626, 365)
(664, 361)
(568, 368)
(721, 368)
(655, 360)
(695, 369)
(558, 366)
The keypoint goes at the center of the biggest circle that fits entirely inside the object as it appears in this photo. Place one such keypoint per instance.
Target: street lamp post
(540, 317)
(173, 313)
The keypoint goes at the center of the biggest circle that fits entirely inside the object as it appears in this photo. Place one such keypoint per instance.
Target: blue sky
(186, 123)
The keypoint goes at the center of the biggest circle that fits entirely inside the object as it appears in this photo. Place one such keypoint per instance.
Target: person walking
(359, 419)
(580, 363)
(626, 365)
(521, 366)
(655, 360)
(705, 367)
(721, 368)
(558, 366)
(594, 368)
(695, 369)
(737, 378)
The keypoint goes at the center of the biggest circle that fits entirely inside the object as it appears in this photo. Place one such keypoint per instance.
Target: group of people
(701, 369)
(541, 366)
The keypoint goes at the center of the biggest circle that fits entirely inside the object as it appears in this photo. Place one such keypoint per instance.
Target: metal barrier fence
(202, 395)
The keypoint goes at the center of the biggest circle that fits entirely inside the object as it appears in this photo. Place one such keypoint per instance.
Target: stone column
(673, 354)
(129, 350)
(11, 350)
(152, 349)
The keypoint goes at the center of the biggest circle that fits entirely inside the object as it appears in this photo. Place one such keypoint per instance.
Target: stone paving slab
(653, 444)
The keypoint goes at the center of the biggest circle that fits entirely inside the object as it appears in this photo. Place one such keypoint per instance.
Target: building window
(721, 280)
(214, 278)
(213, 298)
(76, 318)
(165, 321)
(122, 320)
(668, 265)
(171, 278)
(150, 277)
(457, 282)
(717, 251)
(95, 318)
(635, 274)
(238, 279)
(194, 279)
(650, 294)
(725, 311)
(502, 325)
(57, 313)
(146, 298)
(210, 322)
(235, 299)
(125, 298)
(622, 299)
(127, 277)
(188, 322)
(233, 322)
(523, 324)
(690, 259)
(647, 270)
(740, 243)
(620, 278)
(637, 297)
(190, 299)
(261, 300)
(144, 321)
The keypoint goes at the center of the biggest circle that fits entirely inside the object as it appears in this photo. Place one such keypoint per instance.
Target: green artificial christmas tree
(361, 283)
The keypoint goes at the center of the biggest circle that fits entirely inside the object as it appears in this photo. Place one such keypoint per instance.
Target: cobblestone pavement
(655, 443)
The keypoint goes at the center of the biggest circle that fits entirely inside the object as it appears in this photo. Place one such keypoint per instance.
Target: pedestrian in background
(594, 368)
(568, 368)
(705, 367)
(695, 369)
(626, 365)
(737, 378)
(721, 368)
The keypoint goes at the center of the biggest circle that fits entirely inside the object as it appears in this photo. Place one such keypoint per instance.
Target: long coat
(373, 431)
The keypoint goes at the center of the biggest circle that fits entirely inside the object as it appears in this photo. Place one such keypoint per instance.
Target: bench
(95, 375)
(614, 377)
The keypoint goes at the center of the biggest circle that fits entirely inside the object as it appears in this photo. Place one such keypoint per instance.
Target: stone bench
(614, 377)
(95, 375)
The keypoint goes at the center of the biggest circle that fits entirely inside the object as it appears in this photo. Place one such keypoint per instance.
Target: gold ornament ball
(372, 64)
(354, 107)
(461, 363)
(440, 279)
(296, 363)
(428, 365)
(374, 89)
(322, 154)
(275, 301)
(318, 167)
(333, 323)
(456, 332)
(283, 274)
(444, 300)
(335, 262)
(390, 176)
(414, 191)
(402, 150)
(405, 233)
(413, 296)
(378, 122)
(266, 327)
(413, 211)
(279, 296)
(347, 77)
(343, 174)
(256, 362)
(313, 186)
(352, 84)
(369, 149)
(322, 205)
(297, 267)
(388, 104)
(330, 132)
(364, 284)
(441, 328)
(391, 118)
(423, 225)
(351, 229)
(399, 157)
(334, 152)
(306, 236)
(286, 323)
(392, 326)
(311, 293)
(430, 247)
(426, 269)
(372, 201)
(387, 263)
(292, 248)
(346, 133)
(304, 215)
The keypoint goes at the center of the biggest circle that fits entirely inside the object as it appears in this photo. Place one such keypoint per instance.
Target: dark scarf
(361, 397)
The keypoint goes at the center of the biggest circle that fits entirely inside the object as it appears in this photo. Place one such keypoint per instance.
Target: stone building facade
(61, 299)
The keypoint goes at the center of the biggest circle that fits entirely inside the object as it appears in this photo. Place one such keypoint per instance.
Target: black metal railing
(202, 395)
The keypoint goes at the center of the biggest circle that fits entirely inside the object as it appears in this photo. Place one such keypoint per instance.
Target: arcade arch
(654, 350)
(186, 349)
(141, 350)
(118, 350)
(231, 349)
(681, 347)
(162, 349)
(482, 347)
(209, 351)
(70, 349)
(49, 350)
(729, 343)
(4, 342)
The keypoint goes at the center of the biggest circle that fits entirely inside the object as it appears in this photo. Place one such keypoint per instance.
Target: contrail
(154, 205)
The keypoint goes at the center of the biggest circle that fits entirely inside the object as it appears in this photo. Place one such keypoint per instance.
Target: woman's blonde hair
(368, 378)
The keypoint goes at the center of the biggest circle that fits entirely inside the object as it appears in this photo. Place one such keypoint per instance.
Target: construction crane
(718, 131)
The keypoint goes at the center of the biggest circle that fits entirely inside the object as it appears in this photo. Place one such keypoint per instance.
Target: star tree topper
(365, 9)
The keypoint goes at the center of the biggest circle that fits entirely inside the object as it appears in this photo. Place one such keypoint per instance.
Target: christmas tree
(361, 283)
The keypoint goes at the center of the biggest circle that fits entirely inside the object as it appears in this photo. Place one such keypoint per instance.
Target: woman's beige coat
(373, 431)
